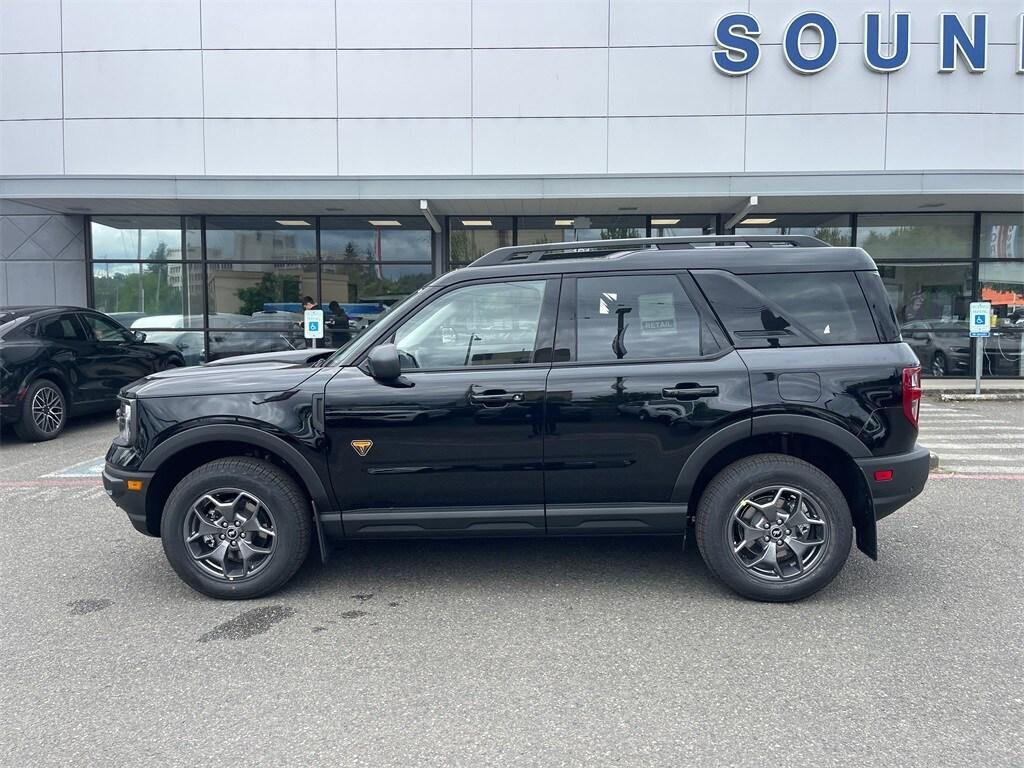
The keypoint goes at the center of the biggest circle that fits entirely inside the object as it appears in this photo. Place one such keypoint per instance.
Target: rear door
(641, 377)
(65, 338)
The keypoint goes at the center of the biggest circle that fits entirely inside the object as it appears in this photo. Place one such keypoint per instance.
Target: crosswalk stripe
(977, 457)
(952, 467)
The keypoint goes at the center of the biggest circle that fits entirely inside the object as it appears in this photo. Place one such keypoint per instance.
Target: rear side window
(635, 317)
(61, 328)
(790, 309)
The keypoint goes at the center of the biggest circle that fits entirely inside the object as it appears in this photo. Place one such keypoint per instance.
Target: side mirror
(383, 362)
(139, 336)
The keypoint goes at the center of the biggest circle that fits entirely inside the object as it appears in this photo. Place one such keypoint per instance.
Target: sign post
(313, 324)
(981, 323)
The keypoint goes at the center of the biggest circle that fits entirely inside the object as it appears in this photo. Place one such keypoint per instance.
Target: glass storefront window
(283, 334)
(470, 237)
(367, 288)
(1002, 236)
(241, 291)
(535, 230)
(150, 294)
(391, 238)
(1002, 283)
(835, 230)
(682, 225)
(916, 235)
(931, 302)
(136, 238)
(260, 238)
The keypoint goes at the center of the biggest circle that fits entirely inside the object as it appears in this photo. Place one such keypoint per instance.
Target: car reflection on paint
(664, 411)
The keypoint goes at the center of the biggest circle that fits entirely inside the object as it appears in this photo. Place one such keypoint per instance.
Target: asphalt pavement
(599, 652)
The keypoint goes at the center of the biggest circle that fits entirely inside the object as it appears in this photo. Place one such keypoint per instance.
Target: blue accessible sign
(981, 319)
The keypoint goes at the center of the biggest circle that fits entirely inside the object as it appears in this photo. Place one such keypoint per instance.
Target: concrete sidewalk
(950, 390)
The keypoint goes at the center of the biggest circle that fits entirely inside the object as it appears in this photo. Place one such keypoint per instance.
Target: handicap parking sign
(981, 314)
(313, 323)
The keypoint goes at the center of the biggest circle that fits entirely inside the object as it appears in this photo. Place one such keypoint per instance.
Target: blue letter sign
(899, 49)
(735, 32)
(826, 50)
(954, 40)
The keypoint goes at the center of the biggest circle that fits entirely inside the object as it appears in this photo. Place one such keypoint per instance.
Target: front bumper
(116, 484)
(909, 474)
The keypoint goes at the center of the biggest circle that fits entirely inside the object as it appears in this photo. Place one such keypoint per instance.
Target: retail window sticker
(657, 314)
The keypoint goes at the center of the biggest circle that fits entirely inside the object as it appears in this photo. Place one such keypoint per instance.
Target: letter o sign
(827, 47)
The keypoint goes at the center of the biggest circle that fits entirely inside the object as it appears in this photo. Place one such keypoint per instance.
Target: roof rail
(528, 253)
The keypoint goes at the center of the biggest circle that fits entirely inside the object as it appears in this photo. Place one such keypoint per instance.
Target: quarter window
(488, 324)
(634, 317)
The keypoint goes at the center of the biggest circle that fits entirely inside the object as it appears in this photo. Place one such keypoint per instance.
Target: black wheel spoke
(778, 533)
(230, 533)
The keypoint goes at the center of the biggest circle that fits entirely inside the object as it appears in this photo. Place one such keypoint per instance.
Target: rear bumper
(133, 502)
(909, 474)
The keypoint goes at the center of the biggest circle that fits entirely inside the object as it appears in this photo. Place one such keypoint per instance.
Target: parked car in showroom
(942, 346)
(187, 336)
(489, 403)
(59, 362)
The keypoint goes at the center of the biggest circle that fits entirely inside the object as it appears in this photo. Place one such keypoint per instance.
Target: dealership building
(195, 167)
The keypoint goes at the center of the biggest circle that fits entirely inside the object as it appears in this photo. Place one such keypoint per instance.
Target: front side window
(488, 324)
(103, 330)
(634, 317)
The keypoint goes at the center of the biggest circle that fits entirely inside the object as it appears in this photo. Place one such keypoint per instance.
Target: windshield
(335, 359)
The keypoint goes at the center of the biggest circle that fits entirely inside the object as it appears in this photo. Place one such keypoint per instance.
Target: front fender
(238, 433)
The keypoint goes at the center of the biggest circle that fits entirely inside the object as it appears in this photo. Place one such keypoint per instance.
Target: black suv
(755, 387)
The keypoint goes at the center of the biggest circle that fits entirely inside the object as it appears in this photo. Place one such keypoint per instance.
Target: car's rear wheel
(44, 412)
(774, 528)
(236, 528)
(939, 367)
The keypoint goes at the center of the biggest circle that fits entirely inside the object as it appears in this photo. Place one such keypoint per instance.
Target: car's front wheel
(236, 528)
(44, 412)
(939, 367)
(774, 528)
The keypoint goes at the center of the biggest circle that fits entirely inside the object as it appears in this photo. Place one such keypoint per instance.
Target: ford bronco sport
(753, 388)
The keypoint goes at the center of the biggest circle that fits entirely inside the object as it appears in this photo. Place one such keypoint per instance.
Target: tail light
(912, 394)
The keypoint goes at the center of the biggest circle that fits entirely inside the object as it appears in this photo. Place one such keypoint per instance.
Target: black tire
(35, 426)
(733, 487)
(284, 501)
(939, 365)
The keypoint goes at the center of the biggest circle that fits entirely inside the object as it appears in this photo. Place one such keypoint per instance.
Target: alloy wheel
(939, 365)
(778, 533)
(48, 410)
(230, 534)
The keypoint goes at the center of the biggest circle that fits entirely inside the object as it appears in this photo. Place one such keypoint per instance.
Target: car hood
(267, 376)
(292, 356)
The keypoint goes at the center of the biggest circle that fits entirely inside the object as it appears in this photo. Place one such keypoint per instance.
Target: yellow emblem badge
(362, 447)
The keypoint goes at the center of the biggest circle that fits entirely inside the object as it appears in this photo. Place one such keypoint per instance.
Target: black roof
(738, 254)
(25, 310)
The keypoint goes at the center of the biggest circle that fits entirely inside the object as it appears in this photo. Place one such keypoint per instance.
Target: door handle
(689, 392)
(497, 398)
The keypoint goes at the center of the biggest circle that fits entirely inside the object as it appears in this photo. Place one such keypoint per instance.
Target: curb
(953, 397)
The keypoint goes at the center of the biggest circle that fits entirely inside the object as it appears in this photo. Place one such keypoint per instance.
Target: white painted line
(975, 457)
(90, 468)
(961, 446)
(980, 470)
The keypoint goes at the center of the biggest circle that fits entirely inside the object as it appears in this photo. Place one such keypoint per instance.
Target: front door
(649, 378)
(455, 447)
(111, 358)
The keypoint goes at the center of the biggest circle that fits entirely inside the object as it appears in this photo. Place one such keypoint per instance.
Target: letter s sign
(735, 33)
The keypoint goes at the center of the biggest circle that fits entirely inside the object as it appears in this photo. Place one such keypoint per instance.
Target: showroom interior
(213, 284)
